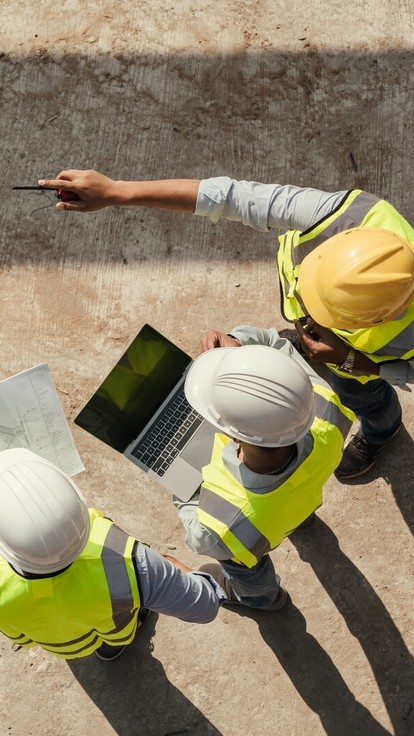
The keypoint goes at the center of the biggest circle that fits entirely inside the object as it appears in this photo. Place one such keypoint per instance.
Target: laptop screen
(134, 389)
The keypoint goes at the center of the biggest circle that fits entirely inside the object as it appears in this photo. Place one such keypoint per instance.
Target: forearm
(251, 335)
(363, 365)
(173, 194)
(94, 191)
(324, 346)
(399, 372)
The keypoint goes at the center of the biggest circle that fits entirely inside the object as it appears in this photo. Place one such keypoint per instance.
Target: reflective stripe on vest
(252, 524)
(70, 614)
(387, 342)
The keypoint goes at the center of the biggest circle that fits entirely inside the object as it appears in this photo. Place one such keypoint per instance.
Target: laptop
(140, 410)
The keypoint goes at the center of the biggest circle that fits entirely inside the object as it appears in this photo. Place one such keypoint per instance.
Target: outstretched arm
(260, 206)
(97, 191)
(168, 587)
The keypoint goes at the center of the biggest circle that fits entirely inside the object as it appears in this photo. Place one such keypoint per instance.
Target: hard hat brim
(197, 386)
(308, 289)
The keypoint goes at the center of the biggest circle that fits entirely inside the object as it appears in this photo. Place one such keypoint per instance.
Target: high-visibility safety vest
(251, 524)
(391, 341)
(72, 613)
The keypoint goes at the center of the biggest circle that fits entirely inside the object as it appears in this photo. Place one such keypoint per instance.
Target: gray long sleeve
(264, 206)
(284, 207)
(193, 597)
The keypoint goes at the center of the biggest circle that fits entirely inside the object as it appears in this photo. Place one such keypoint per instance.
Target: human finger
(305, 339)
(210, 340)
(62, 181)
(74, 206)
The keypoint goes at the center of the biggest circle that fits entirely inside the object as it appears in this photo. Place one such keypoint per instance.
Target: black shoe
(359, 456)
(108, 653)
(293, 337)
(142, 615)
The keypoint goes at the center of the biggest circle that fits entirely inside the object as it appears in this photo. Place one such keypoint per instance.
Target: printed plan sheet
(31, 416)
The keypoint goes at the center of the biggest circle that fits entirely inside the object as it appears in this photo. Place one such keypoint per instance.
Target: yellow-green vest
(71, 614)
(390, 341)
(251, 524)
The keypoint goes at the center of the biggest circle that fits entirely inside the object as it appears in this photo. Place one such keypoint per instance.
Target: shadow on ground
(368, 621)
(135, 695)
(272, 116)
(309, 667)
(395, 465)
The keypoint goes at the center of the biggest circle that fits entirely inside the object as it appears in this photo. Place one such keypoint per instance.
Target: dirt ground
(312, 93)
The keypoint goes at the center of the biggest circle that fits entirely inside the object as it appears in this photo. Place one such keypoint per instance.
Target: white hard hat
(253, 393)
(44, 519)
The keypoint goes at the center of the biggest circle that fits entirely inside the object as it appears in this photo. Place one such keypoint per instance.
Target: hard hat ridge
(266, 389)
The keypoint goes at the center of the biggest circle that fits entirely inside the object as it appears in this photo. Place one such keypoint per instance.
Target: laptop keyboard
(158, 448)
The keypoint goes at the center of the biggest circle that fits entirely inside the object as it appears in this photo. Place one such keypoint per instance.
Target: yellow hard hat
(358, 278)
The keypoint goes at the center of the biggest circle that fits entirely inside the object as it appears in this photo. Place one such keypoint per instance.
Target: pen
(62, 194)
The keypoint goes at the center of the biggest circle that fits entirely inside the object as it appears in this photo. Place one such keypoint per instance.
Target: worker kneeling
(281, 436)
(71, 581)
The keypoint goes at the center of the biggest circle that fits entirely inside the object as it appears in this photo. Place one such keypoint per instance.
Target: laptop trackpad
(181, 479)
(199, 449)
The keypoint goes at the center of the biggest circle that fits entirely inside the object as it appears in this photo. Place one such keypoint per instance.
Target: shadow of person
(315, 676)
(367, 619)
(135, 695)
(396, 466)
